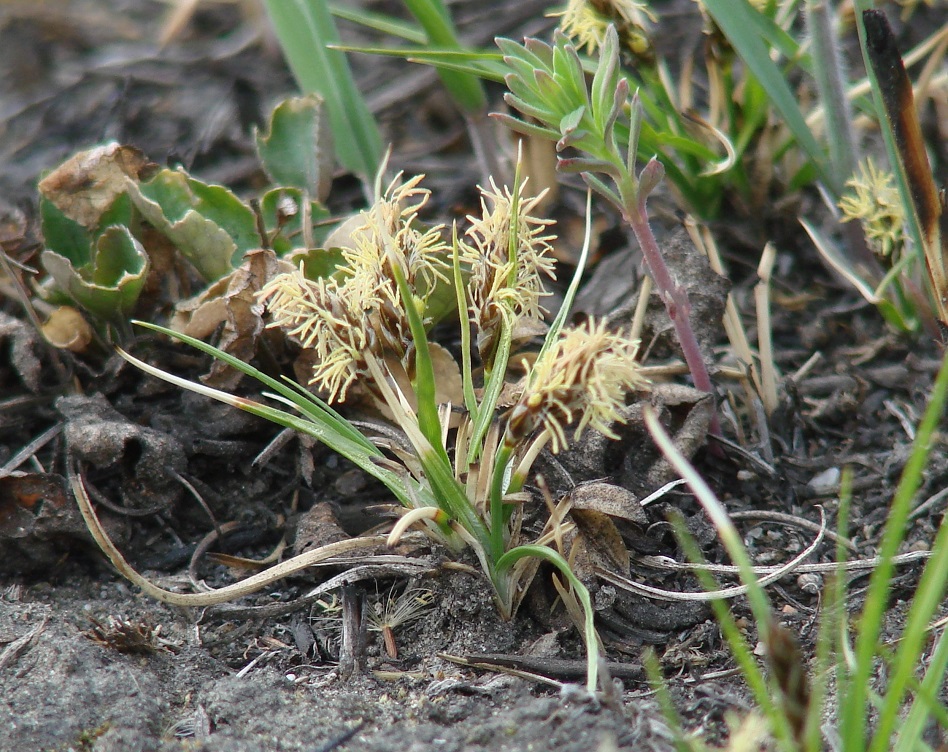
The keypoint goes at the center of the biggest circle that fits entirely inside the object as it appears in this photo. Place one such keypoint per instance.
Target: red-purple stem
(674, 295)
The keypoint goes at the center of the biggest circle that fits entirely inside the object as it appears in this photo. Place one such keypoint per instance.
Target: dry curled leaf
(231, 301)
(598, 543)
(85, 186)
(609, 499)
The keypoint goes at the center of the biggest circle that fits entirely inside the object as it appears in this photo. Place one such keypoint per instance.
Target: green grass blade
(926, 700)
(852, 721)
(360, 453)
(381, 22)
(589, 626)
(467, 379)
(466, 89)
(481, 63)
(306, 30)
(928, 596)
(740, 24)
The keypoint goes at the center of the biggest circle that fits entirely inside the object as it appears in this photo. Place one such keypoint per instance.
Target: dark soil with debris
(88, 663)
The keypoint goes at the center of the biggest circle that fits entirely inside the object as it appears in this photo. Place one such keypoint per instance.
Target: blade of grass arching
(483, 64)
(928, 596)
(743, 655)
(563, 314)
(305, 29)
(731, 539)
(590, 637)
(307, 403)
(739, 22)
(852, 721)
(905, 146)
(381, 22)
(466, 89)
(926, 700)
(322, 431)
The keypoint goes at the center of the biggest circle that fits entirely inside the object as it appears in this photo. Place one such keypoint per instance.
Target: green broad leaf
(281, 211)
(306, 32)
(64, 236)
(108, 287)
(317, 262)
(121, 212)
(209, 225)
(296, 151)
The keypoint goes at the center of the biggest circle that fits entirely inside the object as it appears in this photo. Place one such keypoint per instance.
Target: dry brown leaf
(86, 185)
(231, 301)
(317, 527)
(608, 499)
(597, 542)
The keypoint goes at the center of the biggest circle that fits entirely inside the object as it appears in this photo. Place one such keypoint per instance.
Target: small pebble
(825, 483)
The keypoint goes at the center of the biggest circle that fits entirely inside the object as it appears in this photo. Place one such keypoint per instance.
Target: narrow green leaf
(740, 21)
(852, 720)
(381, 22)
(590, 638)
(465, 88)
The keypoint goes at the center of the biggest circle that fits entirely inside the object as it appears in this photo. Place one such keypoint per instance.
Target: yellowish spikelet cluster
(876, 203)
(586, 21)
(584, 377)
(360, 310)
(507, 274)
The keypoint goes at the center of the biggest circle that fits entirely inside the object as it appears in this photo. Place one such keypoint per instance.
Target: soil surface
(88, 663)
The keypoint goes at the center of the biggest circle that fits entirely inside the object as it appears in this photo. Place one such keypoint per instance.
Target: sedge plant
(458, 470)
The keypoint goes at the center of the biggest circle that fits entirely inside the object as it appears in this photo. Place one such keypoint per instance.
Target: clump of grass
(866, 710)
(459, 476)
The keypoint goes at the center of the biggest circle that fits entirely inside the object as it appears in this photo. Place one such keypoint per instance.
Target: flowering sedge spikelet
(318, 314)
(586, 21)
(391, 236)
(504, 287)
(341, 318)
(876, 203)
(582, 379)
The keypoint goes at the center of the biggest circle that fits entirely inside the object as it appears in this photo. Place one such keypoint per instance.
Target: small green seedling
(107, 213)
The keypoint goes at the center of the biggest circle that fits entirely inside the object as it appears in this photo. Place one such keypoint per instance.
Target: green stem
(497, 521)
